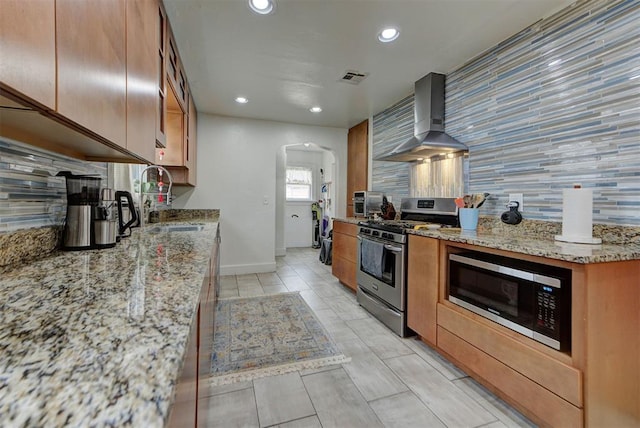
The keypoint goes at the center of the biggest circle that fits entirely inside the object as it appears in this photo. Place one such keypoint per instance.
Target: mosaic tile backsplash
(555, 104)
(30, 193)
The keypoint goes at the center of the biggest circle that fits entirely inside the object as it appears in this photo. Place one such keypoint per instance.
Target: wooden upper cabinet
(92, 72)
(161, 80)
(357, 161)
(177, 115)
(175, 130)
(142, 72)
(191, 146)
(28, 51)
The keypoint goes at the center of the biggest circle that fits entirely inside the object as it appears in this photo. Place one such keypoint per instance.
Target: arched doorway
(294, 219)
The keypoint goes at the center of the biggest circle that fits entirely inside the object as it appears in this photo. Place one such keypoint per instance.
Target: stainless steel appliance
(105, 223)
(83, 196)
(530, 298)
(428, 129)
(366, 203)
(382, 258)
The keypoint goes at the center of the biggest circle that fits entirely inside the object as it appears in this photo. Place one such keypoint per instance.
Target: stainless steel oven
(366, 203)
(382, 258)
(381, 276)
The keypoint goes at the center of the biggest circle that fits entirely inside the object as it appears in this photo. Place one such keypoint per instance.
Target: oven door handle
(392, 248)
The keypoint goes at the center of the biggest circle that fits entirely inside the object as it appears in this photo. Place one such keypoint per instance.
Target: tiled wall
(30, 193)
(390, 128)
(556, 104)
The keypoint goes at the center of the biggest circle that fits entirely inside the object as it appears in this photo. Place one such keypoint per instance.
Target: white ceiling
(289, 61)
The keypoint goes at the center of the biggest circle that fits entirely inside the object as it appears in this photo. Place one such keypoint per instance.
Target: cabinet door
(92, 74)
(142, 72)
(344, 253)
(161, 102)
(173, 153)
(357, 161)
(192, 141)
(422, 286)
(184, 409)
(27, 48)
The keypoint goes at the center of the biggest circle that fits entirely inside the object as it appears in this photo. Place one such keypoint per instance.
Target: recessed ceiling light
(315, 109)
(242, 100)
(307, 144)
(388, 34)
(263, 7)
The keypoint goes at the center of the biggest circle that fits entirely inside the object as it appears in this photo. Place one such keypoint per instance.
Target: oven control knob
(387, 235)
(375, 233)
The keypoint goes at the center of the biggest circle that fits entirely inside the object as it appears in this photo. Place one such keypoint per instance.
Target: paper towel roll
(577, 216)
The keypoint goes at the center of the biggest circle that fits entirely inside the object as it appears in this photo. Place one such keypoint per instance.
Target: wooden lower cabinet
(422, 286)
(191, 389)
(344, 253)
(596, 384)
(184, 409)
(531, 398)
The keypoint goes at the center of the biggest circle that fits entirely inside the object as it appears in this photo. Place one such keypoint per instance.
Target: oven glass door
(381, 270)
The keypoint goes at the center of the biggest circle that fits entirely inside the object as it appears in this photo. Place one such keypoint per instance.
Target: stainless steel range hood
(429, 137)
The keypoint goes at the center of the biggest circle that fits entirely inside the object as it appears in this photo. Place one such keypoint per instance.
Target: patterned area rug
(268, 335)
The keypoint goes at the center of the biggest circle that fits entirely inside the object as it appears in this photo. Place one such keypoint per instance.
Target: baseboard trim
(245, 269)
(281, 252)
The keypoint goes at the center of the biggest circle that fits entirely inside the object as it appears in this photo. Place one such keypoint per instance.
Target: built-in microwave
(366, 203)
(530, 298)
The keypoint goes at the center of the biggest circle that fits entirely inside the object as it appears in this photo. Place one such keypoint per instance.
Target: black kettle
(127, 215)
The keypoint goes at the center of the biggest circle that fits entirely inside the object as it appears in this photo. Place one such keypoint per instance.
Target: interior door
(298, 225)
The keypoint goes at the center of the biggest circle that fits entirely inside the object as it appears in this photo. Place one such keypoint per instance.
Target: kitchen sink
(176, 228)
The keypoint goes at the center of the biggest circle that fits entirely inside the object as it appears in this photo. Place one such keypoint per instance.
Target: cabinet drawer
(345, 228)
(542, 403)
(345, 246)
(557, 377)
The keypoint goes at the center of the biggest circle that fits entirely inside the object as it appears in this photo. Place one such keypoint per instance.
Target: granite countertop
(351, 220)
(536, 238)
(98, 337)
(577, 253)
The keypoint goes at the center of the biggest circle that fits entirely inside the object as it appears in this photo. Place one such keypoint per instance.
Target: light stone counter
(576, 253)
(351, 220)
(536, 238)
(97, 338)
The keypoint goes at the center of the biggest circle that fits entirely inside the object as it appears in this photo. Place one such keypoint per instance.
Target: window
(299, 182)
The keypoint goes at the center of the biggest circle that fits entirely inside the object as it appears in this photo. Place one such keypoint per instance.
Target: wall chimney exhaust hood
(428, 129)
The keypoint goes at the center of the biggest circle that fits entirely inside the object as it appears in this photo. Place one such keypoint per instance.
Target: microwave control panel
(547, 302)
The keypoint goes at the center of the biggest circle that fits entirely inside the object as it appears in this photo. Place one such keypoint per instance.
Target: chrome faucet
(143, 208)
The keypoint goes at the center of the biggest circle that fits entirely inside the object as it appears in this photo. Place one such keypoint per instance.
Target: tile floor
(390, 382)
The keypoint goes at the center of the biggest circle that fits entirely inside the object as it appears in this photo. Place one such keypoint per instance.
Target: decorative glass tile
(30, 193)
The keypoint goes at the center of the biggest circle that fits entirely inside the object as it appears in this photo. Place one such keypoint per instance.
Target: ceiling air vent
(353, 77)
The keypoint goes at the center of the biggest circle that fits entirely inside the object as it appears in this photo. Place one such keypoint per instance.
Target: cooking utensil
(459, 202)
(483, 198)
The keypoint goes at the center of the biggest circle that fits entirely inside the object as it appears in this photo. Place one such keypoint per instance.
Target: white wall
(237, 172)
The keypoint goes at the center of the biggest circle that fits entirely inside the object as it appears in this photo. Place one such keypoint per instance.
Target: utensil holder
(468, 218)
